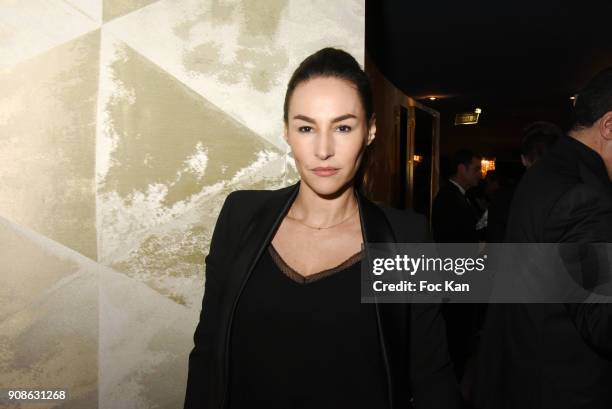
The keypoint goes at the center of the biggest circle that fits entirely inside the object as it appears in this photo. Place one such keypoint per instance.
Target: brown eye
(344, 128)
(305, 129)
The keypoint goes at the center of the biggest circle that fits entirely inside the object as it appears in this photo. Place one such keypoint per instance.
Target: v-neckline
(295, 276)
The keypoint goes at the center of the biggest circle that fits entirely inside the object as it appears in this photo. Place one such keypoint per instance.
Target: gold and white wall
(123, 126)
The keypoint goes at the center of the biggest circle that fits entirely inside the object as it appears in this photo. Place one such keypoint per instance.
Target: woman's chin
(326, 186)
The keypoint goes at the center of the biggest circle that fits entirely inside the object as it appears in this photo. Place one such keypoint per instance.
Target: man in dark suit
(453, 217)
(454, 220)
(538, 137)
(542, 356)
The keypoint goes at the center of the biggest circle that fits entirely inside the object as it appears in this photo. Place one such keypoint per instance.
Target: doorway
(418, 130)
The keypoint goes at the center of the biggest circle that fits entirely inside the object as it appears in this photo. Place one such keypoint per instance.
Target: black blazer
(413, 336)
(453, 217)
(553, 355)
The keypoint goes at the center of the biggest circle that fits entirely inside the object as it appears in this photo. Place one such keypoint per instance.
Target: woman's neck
(318, 210)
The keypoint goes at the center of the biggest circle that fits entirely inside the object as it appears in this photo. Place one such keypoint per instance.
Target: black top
(305, 342)
(416, 352)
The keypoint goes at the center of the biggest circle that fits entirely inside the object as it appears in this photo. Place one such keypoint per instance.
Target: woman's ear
(371, 129)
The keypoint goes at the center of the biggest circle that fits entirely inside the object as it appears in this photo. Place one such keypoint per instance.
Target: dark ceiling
(519, 61)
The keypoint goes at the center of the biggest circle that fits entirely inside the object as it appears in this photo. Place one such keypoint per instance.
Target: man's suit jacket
(413, 336)
(453, 217)
(454, 221)
(541, 356)
(499, 211)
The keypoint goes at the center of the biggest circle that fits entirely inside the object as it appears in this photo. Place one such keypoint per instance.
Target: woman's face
(327, 131)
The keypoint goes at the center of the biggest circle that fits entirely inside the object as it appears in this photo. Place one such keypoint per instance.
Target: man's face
(470, 174)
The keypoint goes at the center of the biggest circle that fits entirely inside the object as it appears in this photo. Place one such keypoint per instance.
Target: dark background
(518, 61)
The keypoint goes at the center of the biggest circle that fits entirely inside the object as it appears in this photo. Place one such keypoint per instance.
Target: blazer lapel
(376, 229)
(374, 224)
(259, 232)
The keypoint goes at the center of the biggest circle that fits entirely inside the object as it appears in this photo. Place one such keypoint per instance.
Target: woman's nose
(324, 145)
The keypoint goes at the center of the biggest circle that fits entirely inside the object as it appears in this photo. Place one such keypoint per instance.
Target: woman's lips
(325, 171)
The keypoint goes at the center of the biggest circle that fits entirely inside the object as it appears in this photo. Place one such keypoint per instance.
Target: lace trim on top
(297, 277)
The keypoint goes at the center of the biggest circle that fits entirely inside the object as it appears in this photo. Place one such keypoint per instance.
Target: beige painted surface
(47, 142)
(116, 8)
(48, 317)
(123, 127)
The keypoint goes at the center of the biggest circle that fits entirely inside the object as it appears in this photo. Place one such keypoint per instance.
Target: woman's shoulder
(242, 205)
(408, 225)
(252, 197)
(247, 203)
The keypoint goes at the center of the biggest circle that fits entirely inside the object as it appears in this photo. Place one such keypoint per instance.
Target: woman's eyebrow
(337, 119)
(343, 117)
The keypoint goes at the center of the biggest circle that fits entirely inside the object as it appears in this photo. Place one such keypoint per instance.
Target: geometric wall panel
(110, 341)
(47, 142)
(31, 27)
(167, 158)
(124, 125)
(91, 8)
(117, 8)
(48, 318)
(239, 54)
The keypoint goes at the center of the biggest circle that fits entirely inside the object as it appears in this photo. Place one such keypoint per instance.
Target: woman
(282, 325)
